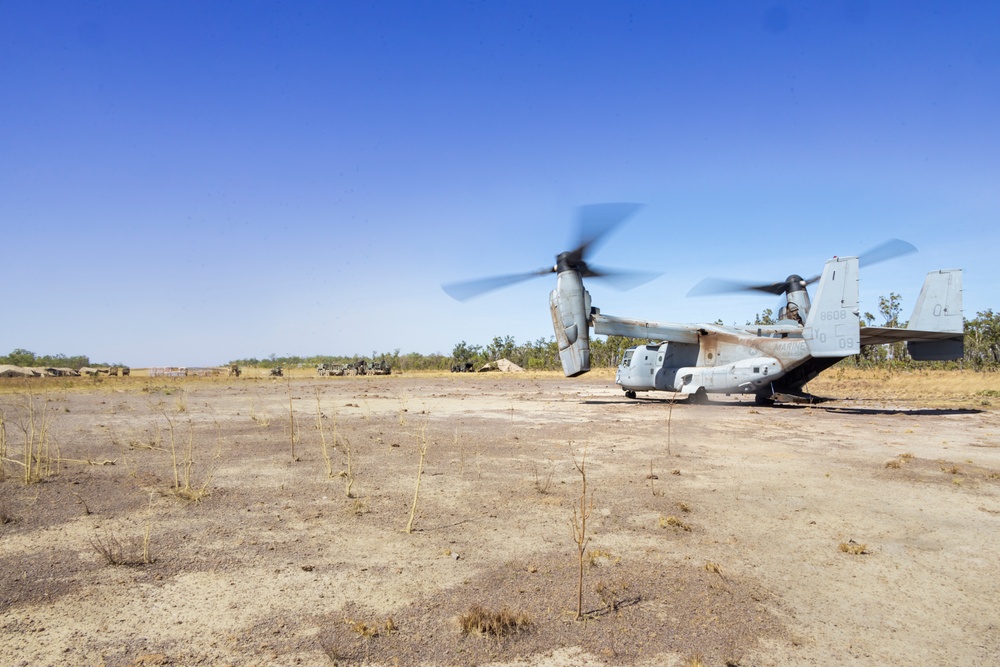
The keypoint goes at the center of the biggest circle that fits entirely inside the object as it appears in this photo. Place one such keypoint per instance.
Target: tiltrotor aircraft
(772, 362)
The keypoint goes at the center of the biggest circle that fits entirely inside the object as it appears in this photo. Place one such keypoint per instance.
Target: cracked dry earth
(848, 533)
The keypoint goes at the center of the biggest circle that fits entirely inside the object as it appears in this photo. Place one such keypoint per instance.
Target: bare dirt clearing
(723, 531)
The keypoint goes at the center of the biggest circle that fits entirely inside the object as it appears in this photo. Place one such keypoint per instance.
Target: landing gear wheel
(629, 394)
(764, 400)
(699, 397)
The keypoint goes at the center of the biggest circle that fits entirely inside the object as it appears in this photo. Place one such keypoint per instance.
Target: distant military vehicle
(329, 370)
(466, 367)
(380, 368)
(276, 372)
(234, 370)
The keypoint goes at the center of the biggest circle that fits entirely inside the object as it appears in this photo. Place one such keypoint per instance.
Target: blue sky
(185, 183)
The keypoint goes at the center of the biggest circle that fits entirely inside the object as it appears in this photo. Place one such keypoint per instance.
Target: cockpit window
(627, 361)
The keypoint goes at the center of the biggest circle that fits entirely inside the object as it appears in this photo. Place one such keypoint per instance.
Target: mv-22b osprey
(771, 362)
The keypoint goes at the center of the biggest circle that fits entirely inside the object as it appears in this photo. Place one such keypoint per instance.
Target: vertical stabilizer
(833, 328)
(939, 309)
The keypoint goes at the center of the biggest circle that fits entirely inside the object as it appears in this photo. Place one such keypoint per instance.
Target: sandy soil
(716, 532)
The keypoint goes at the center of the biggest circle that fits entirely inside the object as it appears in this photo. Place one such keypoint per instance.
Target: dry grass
(854, 548)
(673, 522)
(116, 551)
(481, 621)
(927, 387)
(599, 557)
(371, 630)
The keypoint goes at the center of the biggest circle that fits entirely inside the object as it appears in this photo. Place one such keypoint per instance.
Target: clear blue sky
(185, 183)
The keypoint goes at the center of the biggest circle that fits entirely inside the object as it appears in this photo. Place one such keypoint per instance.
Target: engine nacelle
(569, 303)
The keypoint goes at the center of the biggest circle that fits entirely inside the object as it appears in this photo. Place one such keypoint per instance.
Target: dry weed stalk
(183, 467)
(402, 408)
(322, 437)
(420, 472)
(3, 445)
(349, 473)
(260, 418)
(542, 486)
(291, 416)
(579, 524)
(115, 551)
(37, 460)
(652, 477)
(614, 594)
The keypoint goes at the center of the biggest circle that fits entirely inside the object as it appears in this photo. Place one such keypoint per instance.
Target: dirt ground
(860, 531)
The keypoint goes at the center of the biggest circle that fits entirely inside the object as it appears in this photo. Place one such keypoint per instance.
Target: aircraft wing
(883, 335)
(608, 325)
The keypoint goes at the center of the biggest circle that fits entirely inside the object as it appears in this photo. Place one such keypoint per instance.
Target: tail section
(939, 310)
(833, 327)
(569, 303)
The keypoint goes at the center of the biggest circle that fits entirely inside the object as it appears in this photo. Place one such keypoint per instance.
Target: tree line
(982, 350)
(26, 358)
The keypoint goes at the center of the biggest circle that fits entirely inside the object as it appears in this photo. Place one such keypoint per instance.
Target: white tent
(7, 371)
(502, 365)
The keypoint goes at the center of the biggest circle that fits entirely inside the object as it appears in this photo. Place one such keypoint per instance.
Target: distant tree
(890, 307)
(463, 352)
(764, 319)
(19, 357)
(982, 340)
(501, 348)
(609, 352)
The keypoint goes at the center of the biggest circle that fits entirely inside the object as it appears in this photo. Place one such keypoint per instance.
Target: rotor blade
(889, 250)
(621, 280)
(595, 221)
(710, 286)
(467, 289)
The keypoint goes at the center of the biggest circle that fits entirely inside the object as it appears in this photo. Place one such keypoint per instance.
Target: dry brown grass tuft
(481, 621)
(673, 522)
(854, 548)
(373, 629)
(115, 551)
